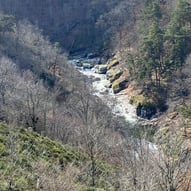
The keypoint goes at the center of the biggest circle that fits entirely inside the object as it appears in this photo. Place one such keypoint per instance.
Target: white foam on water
(119, 102)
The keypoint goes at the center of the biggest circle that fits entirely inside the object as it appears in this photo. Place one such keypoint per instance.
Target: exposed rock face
(119, 85)
(113, 62)
(117, 76)
(113, 74)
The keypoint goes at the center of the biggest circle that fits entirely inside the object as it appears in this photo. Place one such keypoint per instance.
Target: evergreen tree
(152, 10)
(151, 52)
(178, 37)
(164, 50)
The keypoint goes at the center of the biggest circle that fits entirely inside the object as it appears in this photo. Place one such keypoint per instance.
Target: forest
(57, 132)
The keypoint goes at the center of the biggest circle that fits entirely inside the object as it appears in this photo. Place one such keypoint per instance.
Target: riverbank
(118, 102)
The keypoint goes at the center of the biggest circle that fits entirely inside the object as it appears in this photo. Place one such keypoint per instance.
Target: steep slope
(39, 89)
(155, 50)
(76, 25)
(29, 161)
(41, 92)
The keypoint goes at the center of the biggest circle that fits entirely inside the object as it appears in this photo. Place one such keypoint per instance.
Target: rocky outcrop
(116, 75)
(119, 85)
(112, 63)
(113, 74)
(100, 69)
(145, 107)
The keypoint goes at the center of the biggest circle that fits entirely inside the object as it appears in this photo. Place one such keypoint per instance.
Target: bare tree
(94, 119)
(23, 98)
(7, 76)
(173, 163)
(138, 172)
(33, 100)
(51, 177)
(150, 168)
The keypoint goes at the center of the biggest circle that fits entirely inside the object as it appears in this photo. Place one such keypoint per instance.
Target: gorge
(95, 95)
(119, 103)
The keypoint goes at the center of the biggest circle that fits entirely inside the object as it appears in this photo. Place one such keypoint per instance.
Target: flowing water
(119, 103)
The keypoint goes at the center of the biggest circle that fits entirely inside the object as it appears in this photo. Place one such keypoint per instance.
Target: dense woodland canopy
(42, 95)
(77, 25)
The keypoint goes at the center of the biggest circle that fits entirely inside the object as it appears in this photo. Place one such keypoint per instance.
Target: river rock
(76, 62)
(119, 85)
(101, 69)
(79, 63)
(113, 74)
(108, 85)
(112, 63)
(88, 65)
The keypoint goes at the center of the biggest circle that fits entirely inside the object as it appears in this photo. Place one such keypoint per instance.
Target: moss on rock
(145, 107)
(119, 85)
(112, 63)
(113, 74)
(139, 99)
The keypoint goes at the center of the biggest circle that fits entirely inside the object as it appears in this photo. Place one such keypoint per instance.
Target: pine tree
(151, 51)
(178, 37)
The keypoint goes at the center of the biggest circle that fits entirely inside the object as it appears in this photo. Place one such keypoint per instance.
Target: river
(118, 102)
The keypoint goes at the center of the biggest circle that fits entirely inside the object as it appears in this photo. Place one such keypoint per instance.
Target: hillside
(29, 161)
(77, 26)
(61, 135)
(37, 81)
(170, 62)
(154, 56)
(42, 93)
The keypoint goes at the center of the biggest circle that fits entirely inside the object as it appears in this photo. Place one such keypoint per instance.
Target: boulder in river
(88, 65)
(79, 63)
(76, 62)
(113, 74)
(101, 69)
(119, 85)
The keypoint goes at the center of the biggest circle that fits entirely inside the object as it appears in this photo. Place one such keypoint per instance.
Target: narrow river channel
(119, 103)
